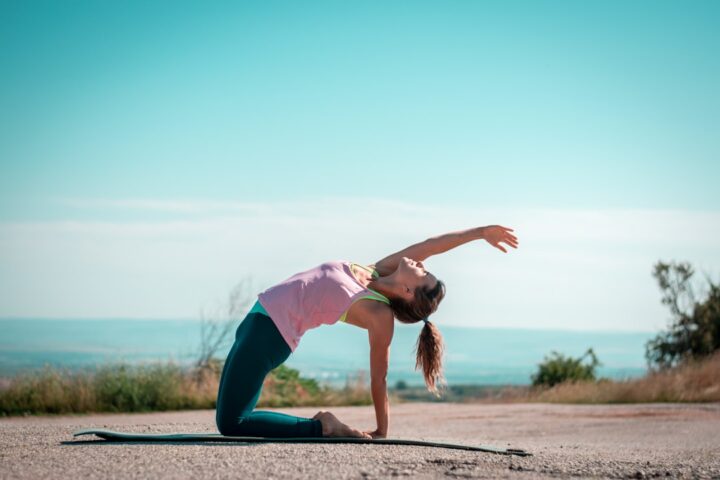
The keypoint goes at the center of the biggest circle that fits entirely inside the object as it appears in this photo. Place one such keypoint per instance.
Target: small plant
(216, 328)
(557, 368)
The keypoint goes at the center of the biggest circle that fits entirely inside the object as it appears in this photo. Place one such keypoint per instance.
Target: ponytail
(430, 346)
(430, 349)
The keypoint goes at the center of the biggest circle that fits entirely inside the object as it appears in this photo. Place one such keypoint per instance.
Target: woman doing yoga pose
(370, 297)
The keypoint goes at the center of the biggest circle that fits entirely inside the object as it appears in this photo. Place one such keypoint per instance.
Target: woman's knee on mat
(231, 420)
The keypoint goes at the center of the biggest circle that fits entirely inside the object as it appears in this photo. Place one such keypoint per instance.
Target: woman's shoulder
(381, 321)
(369, 314)
(377, 310)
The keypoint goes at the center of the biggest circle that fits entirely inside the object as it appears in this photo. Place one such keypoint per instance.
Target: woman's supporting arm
(378, 389)
(380, 334)
(494, 234)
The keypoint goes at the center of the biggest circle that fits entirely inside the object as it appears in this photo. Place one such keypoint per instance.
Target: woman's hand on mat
(333, 427)
(494, 234)
(375, 434)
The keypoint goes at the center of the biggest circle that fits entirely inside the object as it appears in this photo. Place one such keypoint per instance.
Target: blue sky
(131, 120)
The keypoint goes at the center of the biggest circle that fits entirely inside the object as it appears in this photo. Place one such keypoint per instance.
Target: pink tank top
(312, 298)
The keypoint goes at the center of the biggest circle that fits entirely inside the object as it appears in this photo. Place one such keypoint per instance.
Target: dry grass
(123, 388)
(158, 387)
(695, 381)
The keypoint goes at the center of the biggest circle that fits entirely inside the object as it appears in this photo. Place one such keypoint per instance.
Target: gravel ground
(578, 441)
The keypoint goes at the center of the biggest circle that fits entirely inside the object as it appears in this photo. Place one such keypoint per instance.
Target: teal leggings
(258, 349)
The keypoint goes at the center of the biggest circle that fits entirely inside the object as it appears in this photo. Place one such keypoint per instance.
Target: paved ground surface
(568, 441)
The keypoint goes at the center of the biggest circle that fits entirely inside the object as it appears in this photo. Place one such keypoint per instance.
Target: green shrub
(557, 368)
(128, 388)
(284, 387)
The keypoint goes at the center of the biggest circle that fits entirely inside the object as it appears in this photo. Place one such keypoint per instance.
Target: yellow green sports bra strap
(377, 296)
(374, 272)
(374, 295)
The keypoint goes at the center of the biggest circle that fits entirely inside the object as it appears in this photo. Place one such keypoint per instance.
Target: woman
(397, 286)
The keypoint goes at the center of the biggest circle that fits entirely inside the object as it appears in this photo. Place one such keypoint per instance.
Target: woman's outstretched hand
(494, 234)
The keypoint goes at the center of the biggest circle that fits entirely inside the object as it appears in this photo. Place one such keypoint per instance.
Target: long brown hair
(429, 347)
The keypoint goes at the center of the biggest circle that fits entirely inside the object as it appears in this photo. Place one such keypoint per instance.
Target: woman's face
(411, 275)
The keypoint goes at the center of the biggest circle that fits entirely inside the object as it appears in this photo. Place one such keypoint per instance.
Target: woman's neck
(384, 285)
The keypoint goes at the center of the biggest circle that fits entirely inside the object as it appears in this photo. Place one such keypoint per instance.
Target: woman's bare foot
(332, 427)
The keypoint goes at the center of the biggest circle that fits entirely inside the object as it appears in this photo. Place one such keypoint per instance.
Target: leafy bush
(557, 368)
(695, 329)
(692, 381)
(125, 388)
(284, 388)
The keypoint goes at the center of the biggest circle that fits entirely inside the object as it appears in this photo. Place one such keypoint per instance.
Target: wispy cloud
(167, 206)
(574, 269)
(307, 206)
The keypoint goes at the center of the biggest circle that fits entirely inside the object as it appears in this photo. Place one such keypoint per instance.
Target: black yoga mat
(113, 436)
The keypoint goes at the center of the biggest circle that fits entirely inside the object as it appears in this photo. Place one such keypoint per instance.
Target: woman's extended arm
(493, 234)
